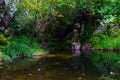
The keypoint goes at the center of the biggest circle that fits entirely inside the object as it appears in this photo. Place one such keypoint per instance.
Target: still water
(61, 66)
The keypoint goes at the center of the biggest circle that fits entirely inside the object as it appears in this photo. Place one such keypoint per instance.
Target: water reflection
(76, 52)
(108, 63)
(49, 68)
(76, 48)
(64, 66)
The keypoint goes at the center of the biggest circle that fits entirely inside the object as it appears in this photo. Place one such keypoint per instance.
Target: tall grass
(20, 45)
(4, 56)
(102, 40)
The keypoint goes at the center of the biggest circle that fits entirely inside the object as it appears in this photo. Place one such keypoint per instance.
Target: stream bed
(62, 66)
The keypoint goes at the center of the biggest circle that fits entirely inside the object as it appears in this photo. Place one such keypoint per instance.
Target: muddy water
(57, 66)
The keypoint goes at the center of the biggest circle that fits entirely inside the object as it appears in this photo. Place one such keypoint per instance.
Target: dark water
(57, 66)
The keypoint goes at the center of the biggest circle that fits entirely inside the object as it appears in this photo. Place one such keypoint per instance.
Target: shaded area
(93, 65)
(108, 63)
(58, 66)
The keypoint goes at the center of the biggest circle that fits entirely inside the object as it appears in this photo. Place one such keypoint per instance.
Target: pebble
(29, 74)
(79, 78)
(38, 69)
(111, 73)
(1, 67)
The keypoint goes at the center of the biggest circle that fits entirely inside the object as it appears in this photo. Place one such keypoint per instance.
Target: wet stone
(38, 70)
(1, 67)
(29, 74)
(79, 78)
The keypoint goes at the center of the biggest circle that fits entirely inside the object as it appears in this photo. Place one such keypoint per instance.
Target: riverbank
(21, 46)
(105, 49)
(106, 41)
(4, 57)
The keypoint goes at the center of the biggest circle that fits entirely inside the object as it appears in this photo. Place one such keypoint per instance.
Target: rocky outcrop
(6, 14)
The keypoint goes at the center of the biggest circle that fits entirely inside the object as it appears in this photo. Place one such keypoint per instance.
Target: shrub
(20, 45)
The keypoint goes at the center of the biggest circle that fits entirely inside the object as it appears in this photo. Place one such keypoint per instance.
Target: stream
(63, 66)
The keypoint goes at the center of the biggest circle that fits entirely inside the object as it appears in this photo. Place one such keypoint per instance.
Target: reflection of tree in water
(84, 66)
(76, 52)
(107, 63)
(76, 48)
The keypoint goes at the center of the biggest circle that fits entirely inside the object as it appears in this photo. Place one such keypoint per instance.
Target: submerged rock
(38, 70)
(29, 74)
(112, 73)
(1, 67)
(80, 78)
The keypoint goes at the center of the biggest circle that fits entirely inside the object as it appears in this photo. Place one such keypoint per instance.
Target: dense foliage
(30, 27)
(52, 22)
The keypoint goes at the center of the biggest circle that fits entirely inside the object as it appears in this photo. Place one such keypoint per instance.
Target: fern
(19, 45)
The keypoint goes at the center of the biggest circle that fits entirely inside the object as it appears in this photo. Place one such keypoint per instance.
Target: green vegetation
(52, 24)
(21, 46)
(3, 41)
(4, 56)
(33, 27)
(109, 63)
(106, 40)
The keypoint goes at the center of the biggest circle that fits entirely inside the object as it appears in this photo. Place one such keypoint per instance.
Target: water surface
(56, 66)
